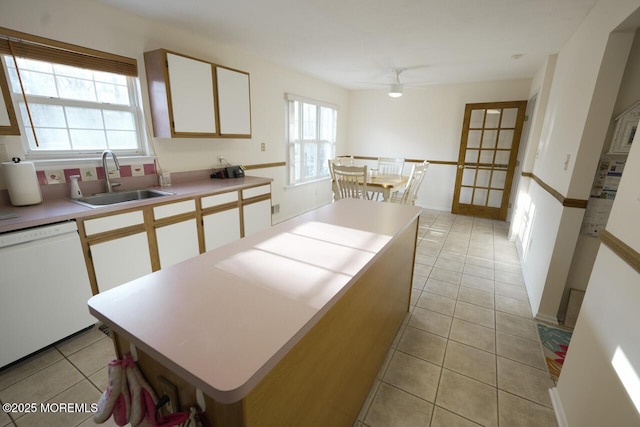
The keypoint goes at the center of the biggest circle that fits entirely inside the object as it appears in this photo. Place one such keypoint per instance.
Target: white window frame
(135, 107)
(292, 140)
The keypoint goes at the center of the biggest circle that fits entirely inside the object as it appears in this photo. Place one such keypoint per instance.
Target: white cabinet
(118, 247)
(120, 260)
(8, 121)
(234, 102)
(192, 101)
(181, 94)
(178, 239)
(220, 219)
(193, 98)
(256, 209)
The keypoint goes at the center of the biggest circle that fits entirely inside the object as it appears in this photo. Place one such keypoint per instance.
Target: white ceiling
(357, 43)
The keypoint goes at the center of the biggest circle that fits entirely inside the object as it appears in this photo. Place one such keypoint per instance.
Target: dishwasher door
(44, 289)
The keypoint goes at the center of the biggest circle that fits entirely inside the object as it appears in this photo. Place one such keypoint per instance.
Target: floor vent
(105, 330)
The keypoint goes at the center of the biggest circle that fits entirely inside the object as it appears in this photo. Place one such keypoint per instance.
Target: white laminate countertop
(223, 319)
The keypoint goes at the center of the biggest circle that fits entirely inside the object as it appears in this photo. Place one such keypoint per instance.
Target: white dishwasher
(44, 289)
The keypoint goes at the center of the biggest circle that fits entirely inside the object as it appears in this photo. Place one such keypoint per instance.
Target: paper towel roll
(22, 183)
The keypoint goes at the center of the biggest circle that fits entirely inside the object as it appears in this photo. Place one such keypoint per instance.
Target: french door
(488, 153)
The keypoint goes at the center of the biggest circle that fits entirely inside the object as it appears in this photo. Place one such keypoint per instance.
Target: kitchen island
(288, 326)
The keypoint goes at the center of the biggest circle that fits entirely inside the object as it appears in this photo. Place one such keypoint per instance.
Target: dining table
(386, 184)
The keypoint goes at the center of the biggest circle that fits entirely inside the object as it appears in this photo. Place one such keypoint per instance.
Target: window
(72, 101)
(75, 110)
(311, 128)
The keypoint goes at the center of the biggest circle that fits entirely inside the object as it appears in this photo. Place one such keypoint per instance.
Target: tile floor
(468, 353)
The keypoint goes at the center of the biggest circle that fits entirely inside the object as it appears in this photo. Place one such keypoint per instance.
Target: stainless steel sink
(105, 199)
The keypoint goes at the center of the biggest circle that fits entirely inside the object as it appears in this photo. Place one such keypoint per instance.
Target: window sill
(301, 184)
(89, 161)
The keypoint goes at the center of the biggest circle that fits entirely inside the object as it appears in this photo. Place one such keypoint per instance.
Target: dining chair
(410, 193)
(344, 160)
(390, 166)
(351, 181)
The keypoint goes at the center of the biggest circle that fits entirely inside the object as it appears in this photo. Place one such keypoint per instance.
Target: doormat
(555, 343)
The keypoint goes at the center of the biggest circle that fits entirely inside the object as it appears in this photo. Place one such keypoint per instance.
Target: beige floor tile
(396, 408)
(437, 303)
(80, 341)
(81, 393)
(516, 325)
(474, 270)
(469, 398)
(422, 344)
(508, 267)
(512, 291)
(480, 262)
(475, 314)
(517, 412)
(442, 288)
(422, 270)
(94, 357)
(100, 379)
(524, 381)
(4, 419)
(415, 295)
(444, 418)
(520, 349)
(418, 282)
(480, 253)
(456, 246)
(385, 363)
(511, 278)
(479, 283)
(476, 296)
(425, 260)
(513, 306)
(28, 367)
(448, 264)
(474, 335)
(43, 385)
(367, 402)
(452, 256)
(428, 249)
(471, 362)
(445, 275)
(430, 321)
(413, 375)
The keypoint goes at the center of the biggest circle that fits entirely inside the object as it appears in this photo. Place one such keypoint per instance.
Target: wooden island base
(324, 379)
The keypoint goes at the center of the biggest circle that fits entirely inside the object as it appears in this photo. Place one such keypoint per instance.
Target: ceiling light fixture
(395, 91)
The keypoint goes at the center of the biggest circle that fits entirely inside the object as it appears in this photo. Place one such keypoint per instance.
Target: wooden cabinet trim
(256, 199)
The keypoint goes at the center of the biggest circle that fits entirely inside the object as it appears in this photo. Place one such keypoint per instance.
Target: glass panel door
(488, 151)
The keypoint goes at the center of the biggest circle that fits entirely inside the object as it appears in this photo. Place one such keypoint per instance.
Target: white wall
(425, 123)
(586, 80)
(95, 25)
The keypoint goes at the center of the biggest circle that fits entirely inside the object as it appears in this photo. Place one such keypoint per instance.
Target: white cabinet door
(121, 260)
(234, 104)
(221, 228)
(257, 216)
(177, 242)
(191, 89)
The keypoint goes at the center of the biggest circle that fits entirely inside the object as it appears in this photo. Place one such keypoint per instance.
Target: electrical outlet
(263, 147)
(168, 388)
(220, 160)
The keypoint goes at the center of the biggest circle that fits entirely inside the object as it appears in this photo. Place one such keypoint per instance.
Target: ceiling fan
(395, 91)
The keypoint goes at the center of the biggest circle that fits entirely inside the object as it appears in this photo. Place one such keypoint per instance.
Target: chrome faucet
(105, 153)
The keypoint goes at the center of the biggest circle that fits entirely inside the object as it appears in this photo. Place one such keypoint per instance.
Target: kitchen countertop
(224, 319)
(60, 209)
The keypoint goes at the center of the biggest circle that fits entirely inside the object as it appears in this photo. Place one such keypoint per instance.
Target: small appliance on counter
(228, 172)
(22, 182)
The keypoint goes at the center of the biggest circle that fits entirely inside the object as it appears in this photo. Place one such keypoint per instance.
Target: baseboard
(557, 408)
(551, 320)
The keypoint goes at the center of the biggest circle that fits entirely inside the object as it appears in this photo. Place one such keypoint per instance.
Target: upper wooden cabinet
(194, 98)
(8, 120)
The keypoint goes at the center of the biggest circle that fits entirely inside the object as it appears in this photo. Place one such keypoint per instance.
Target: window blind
(39, 48)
